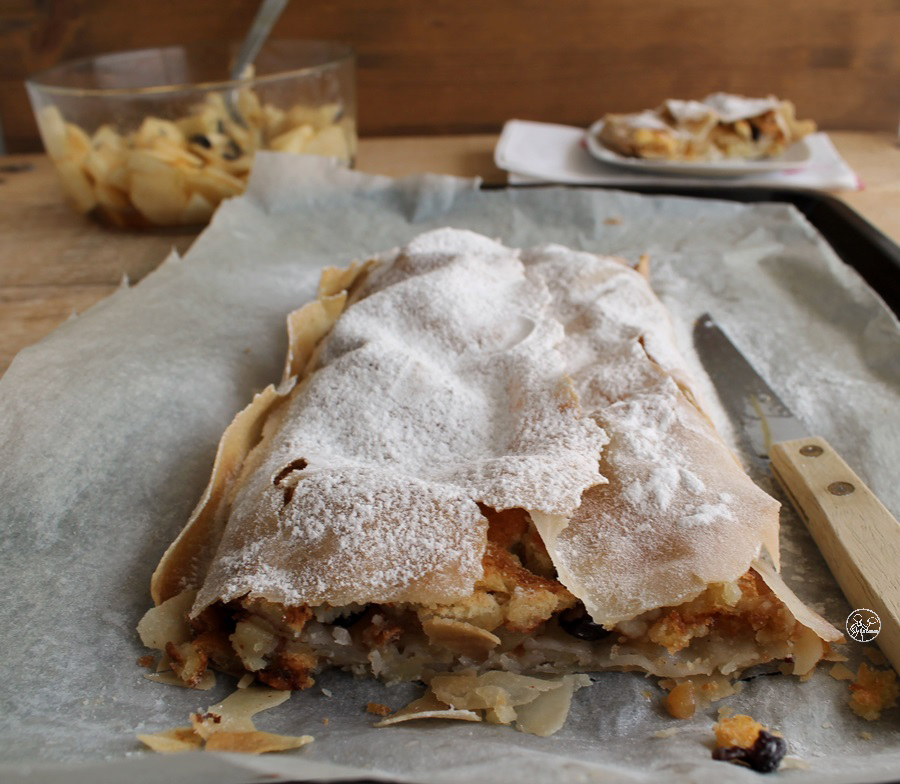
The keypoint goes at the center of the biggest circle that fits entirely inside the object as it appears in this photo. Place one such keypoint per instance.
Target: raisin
(755, 132)
(729, 753)
(294, 465)
(763, 756)
(578, 623)
(766, 754)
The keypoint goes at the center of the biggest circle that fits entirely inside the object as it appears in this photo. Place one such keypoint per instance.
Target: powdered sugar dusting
(646, 119)
(678, 512)
(731, 108)
(443, 386)
(707, 514)
(341, 527)
(690, 111)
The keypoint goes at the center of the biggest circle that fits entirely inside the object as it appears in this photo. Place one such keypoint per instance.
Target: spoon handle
(266, 17)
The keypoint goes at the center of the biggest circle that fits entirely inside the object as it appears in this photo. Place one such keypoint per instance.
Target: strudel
(721, 126)
(481, 465)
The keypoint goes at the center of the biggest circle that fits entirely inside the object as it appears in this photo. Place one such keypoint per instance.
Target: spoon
(263, 22)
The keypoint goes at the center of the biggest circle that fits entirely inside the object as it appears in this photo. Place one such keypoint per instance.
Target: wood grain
(62, 247)
(856, 534)
(456, 66)
(54, 263)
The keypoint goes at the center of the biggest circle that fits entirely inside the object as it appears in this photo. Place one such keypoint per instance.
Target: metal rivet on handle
(840, 488)
(811, 450)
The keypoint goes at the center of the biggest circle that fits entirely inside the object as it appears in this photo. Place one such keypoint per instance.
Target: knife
(856, 534)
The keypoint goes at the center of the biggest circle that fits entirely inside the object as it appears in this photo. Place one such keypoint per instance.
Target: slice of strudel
(721, 126)
(479, 460)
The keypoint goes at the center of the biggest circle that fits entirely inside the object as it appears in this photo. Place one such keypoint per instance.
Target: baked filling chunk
(721, 126)
(480, 463)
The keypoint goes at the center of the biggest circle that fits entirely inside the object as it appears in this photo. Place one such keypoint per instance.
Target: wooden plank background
(464, 66)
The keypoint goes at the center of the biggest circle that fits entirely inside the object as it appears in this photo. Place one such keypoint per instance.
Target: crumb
(378, 709)
(827, 725)
(245, 680)
(681, 702)
(667, 733)
(325, 721)
(148, 661)
(865, 735)
(794, 763)
(326, 692)
(646, 694)
(739, 730)
(689, 695)
(612, 221)
(873, 691)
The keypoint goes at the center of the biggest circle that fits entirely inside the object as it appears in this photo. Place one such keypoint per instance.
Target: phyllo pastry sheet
(479, 459)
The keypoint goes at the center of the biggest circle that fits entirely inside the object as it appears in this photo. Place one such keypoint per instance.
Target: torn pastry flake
(428, 707)
(534, 705)
(228, 726)
(873, 691)
(480, 460)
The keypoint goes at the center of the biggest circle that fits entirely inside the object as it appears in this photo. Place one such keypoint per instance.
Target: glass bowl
(157, 137)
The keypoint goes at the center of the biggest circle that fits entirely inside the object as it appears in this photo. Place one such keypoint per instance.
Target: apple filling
(520, 618)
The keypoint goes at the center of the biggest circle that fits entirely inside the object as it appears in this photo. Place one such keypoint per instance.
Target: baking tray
(865, 248)
(863, 241)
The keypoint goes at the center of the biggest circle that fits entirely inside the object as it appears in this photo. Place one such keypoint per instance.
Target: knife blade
(855, 532)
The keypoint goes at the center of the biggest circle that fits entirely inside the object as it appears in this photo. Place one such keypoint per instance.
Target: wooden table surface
(55, 263)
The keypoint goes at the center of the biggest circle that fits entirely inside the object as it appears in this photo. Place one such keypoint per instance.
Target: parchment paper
(110, 425)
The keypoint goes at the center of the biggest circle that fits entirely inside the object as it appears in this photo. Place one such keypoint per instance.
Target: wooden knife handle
(856, 534)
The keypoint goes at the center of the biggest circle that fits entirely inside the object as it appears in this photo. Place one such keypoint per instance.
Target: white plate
(797, 156)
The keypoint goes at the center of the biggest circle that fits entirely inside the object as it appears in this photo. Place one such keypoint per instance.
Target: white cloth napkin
(546, 152)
